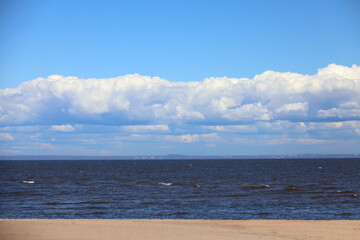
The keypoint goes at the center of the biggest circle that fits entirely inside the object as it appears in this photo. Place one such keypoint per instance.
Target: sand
(89, 229)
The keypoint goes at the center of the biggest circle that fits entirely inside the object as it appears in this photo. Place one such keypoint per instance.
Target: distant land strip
(178, 157)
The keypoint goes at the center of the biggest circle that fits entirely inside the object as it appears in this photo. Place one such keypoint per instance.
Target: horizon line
(177, 157)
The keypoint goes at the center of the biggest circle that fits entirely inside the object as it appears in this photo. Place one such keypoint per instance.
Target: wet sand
(90, 229)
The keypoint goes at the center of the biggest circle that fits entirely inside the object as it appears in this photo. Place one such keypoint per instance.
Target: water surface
(187, 189)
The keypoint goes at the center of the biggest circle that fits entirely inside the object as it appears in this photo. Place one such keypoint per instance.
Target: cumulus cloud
(333, 93)
(345, 110)
(334, 125)
(346, 129)
(63, 128)
(294, 109)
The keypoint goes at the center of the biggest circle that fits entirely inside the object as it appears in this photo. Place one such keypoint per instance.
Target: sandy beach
(89, 229)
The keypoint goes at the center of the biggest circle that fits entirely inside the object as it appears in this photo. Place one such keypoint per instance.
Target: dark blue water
(187, 189)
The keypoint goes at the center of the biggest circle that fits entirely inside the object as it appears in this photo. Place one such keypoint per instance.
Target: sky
(179, 77)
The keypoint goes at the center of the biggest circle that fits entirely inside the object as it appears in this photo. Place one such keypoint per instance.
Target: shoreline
(174, 229)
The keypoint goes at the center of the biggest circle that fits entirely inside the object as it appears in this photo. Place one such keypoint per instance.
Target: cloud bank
(332, 94)
(273, 112)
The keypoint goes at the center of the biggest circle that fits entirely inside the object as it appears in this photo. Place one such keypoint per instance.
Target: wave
(28, 182)
(344, 191)
(164, 184)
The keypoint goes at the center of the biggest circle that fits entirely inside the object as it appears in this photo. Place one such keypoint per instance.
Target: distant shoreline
(179, 157)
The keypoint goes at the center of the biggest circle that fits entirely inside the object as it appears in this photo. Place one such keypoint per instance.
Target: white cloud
(334, 92)
(189, 138)
(248, 112)
(294, 109)
(232, 128)
(146, 128)
(281, 126)
(63, 128)
(333, 125)
(345, 110)
(6, 137)
(343, 129)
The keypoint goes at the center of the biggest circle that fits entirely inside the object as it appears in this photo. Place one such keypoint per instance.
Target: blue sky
(190, 77)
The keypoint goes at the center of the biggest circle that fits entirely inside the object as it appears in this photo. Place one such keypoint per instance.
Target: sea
(181, 189)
